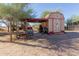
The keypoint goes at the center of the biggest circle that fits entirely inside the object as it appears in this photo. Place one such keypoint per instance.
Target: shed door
(57, 25)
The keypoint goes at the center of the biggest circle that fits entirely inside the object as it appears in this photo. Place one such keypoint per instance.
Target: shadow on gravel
(57, 42)
(3, 33)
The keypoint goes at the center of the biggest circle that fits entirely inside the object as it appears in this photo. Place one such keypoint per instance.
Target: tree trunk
(17, 30)
(10, 31)
(8, 28)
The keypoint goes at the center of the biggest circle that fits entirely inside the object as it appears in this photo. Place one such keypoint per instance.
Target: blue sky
(68, 9)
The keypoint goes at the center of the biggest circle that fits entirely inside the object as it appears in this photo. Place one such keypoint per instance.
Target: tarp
(35, 19)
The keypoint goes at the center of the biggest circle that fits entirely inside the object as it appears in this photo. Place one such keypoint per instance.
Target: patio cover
(35, 19)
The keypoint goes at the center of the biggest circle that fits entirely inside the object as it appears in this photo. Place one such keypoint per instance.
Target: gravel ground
(41, 45)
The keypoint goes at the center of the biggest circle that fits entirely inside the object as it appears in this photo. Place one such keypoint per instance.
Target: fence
(72, 27)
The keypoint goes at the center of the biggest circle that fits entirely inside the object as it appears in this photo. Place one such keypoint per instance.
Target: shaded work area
(42, 26)
(28, 30)
(67, 44)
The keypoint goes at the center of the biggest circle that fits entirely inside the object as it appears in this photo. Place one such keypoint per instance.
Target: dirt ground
(41, 45)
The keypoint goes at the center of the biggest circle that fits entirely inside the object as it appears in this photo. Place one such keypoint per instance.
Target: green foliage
(15, 11)
(73, 19)
(69, 21)
(45, 13)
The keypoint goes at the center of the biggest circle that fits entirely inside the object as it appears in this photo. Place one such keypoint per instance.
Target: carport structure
(53, 21)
